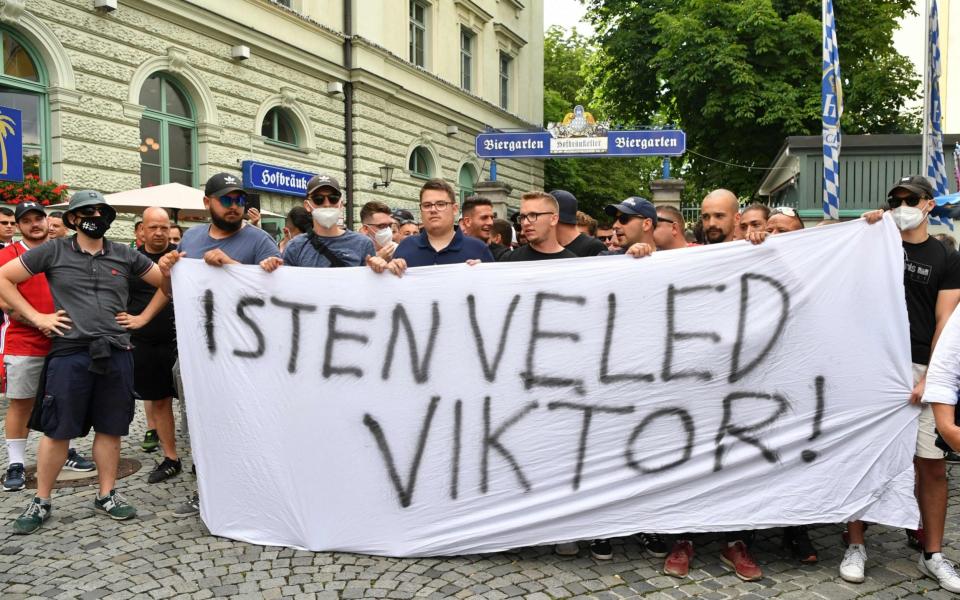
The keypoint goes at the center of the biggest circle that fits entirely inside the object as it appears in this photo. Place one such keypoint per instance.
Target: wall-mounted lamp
(452, 130)
(240, 52)
(386, 176)
(335, 88)
(105, 6)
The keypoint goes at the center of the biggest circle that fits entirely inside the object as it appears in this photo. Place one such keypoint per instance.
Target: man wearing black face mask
(89, 370)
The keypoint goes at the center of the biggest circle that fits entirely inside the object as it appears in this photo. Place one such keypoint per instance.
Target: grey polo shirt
(91, 288)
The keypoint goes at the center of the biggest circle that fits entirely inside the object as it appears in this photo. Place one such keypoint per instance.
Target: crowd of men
(89, 325)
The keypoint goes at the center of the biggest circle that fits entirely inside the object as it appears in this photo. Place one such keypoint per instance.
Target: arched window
(420, 163)
(168, 133)
(278, 127)
(23, 86)
(465, 181)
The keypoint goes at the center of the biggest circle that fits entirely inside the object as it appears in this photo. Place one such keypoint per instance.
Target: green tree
(595, 182)
(741, 75)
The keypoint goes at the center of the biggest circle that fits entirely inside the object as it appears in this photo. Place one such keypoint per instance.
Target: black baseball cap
(634, 205)
(568, 206)
(25, 207)
(915, 184)
(321, 181)
(222, 183)
(402, 216)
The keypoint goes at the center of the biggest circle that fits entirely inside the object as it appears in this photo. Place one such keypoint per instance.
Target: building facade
(160, 91)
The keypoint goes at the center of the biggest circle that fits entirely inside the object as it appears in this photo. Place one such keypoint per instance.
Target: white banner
(474, 409)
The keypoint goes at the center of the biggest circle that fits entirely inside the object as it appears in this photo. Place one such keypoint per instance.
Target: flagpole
(925, 130)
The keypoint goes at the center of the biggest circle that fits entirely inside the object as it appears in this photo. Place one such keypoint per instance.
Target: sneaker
(678, 561)
(942, 570)
(853, 564)
(150, 441)
(165, 470)
(738, 558)
(797, 541)
(76, 462)
(30, 520)
(116, 506)
(654, 544)
(192, 507)
(915, 538)
(15, 479)
(601, 549)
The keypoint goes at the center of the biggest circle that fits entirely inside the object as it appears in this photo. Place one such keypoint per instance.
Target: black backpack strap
(319, 246)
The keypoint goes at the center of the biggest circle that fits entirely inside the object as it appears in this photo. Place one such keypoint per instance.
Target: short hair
(6, 211)
(673, 213)
(585, 220)
(472, 202)
(177, 227)
(541, 195)
(757, 206)
(137, 223)
(57, 213)
(947, 240)
(371, 208)
(504, 229)
(300, 218)
(439, 185)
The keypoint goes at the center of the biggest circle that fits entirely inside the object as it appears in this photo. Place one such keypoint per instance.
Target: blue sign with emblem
(271, 178)
(11, 144)
(579, 134)
(541, 144)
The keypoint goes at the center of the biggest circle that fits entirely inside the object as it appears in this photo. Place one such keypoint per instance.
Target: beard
(224, 225)
(715, 235)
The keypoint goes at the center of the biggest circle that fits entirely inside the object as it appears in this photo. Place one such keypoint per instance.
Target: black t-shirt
(928, 267)
(161, 328)
(525, 253)
(584, 245)
(498, 250)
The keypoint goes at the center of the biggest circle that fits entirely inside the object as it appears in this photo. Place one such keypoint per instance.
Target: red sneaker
(677, 563)
(738, 558)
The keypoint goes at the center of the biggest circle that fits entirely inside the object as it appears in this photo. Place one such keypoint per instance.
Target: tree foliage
(595, 182)
(741, 75)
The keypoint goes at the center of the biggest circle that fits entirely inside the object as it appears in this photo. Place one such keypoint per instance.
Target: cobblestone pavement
(83, 555)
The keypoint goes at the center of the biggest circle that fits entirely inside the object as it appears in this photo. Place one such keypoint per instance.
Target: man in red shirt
(24, 348)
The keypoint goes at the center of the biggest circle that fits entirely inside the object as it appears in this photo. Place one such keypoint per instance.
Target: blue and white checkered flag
(831, 100)
(933, 160)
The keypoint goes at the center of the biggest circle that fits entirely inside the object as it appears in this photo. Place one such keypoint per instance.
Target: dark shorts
(76, 399)
(153, 369)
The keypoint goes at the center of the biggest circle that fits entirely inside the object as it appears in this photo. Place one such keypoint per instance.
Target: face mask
(907, 217)
(383, 237)
(326, 217)
(94, 227)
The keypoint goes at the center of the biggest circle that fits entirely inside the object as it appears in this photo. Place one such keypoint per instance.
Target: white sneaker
(853, 564)
(567, 549)
(942, 570)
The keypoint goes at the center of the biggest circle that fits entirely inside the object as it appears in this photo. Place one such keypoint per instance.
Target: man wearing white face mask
(931, 278)
(377, 224)
(327, 244)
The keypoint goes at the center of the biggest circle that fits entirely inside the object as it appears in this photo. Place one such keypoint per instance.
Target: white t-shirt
(943, 376)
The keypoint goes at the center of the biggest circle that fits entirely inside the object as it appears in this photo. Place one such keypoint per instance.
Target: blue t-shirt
(418, 252)
(352, 248)
(248, 246)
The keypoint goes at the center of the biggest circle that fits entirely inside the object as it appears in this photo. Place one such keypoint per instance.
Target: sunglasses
(228, 201)
(604, 238)
(664, 220)
(895, 202)
(624, 219)
(785, 210)
(88, 211)
(331, 198)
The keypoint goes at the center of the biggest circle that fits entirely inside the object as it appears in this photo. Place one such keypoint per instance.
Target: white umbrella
(183, 201)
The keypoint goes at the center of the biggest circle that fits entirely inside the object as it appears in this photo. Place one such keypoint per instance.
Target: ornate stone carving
(12, 10)
(178, 59)
(287, 96)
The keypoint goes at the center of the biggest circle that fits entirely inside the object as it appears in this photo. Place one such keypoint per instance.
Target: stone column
(666, 192)
(497, 192)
